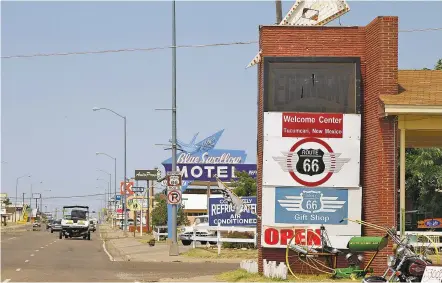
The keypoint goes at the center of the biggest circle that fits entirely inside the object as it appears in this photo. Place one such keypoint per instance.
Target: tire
(186, 242)
(212, 243)
(203, 242)
(89, 236)
(374, 279)
(52, 231)
(60, 235)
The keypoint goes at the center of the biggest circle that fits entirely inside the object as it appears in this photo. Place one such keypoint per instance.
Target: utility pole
(173, 251)
(278, 11)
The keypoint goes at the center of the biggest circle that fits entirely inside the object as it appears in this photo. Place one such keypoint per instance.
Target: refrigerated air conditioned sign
(326, 161)
(221, 212)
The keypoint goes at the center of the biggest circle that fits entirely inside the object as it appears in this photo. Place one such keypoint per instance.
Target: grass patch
(225, 253)
(240, 275)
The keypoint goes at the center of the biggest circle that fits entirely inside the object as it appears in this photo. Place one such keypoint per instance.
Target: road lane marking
(18, 269)
(7, 280)
(27, 260)
(46, 245)
(42, 247)
(108, 254)
(12, 238)
(36, 250)
(32, 254)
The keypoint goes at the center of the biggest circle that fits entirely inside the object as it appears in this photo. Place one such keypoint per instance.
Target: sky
(48, 128)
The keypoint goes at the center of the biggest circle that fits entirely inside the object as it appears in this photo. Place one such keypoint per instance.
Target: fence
(426, 238)
(213, 239)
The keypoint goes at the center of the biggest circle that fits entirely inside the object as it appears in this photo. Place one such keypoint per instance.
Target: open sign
(275, 237)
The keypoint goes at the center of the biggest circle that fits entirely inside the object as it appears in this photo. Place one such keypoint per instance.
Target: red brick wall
(377, 46)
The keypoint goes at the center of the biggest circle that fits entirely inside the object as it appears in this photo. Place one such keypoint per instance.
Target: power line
(81, 196)
(418, 30)
(162, 48)
(128, 50)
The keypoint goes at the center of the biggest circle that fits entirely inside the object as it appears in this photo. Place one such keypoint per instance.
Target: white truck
(201, 222)
(75, 223)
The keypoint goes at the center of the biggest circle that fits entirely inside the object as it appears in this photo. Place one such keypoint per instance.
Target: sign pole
(173, 234)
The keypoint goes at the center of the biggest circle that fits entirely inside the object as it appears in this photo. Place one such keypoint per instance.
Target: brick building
(376, 47)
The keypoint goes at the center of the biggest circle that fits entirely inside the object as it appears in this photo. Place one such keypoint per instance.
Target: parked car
(56, 225)
(200, 222)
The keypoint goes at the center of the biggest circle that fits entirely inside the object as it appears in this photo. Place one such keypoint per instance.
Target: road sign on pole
(173, 179)
(174, 197)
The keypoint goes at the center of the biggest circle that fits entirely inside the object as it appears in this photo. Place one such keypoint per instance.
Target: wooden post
(218, 238)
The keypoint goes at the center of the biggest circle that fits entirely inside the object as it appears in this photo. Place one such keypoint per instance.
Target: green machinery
(323, 258)
(358, 245)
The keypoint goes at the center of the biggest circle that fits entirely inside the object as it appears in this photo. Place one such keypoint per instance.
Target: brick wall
(377, 46)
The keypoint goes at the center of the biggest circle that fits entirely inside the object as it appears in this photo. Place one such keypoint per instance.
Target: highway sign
(174, 197)
(173, 179)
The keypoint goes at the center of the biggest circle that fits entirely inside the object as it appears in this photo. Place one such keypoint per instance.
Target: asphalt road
(36, 256)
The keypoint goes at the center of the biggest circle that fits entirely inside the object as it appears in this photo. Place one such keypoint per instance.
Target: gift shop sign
(278, 237)
(311, 206)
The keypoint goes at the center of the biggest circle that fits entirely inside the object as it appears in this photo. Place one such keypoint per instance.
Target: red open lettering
(271, 236)
(286, 235)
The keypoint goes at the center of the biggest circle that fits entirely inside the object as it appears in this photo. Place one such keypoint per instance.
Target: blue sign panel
(220, 212)
(118, 197)
(432, 223)
(206, 172)
(311, 205)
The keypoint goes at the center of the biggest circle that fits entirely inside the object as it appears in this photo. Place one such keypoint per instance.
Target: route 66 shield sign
(311, 201)
(310, 162)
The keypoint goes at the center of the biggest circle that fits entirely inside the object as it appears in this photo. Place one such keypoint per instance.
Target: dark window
(311, 87)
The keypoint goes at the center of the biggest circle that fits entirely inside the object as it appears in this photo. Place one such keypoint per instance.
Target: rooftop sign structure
(310, 13)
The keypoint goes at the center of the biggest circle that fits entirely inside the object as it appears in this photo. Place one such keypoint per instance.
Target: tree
(159, 213)
(7, 202)
(423, 174)
(244, 185)
(438, 65)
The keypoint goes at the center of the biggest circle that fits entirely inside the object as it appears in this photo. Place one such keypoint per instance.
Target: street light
(30, 198)
(115, 178)
(105, 191)
(41, 198)
(110, 182)
(16, 195)
(125, 134)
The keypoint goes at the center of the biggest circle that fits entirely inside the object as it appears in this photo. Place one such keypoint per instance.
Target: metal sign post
(173, 185)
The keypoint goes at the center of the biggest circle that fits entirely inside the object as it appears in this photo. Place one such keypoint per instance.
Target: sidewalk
(128, 248)
(15, 227)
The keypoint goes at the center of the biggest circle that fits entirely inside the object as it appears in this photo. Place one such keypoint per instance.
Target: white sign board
(311, 162)
(297, 207)
(432, 274)
(311, 150)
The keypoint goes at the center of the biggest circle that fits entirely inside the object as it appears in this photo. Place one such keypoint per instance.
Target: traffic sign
(137, 189)
(173, 179)
(128, 190)
(174, 197)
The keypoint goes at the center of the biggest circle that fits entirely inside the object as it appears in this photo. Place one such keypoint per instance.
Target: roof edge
(397, 109)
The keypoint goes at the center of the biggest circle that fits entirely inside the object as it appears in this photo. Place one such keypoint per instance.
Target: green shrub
(238, 235)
